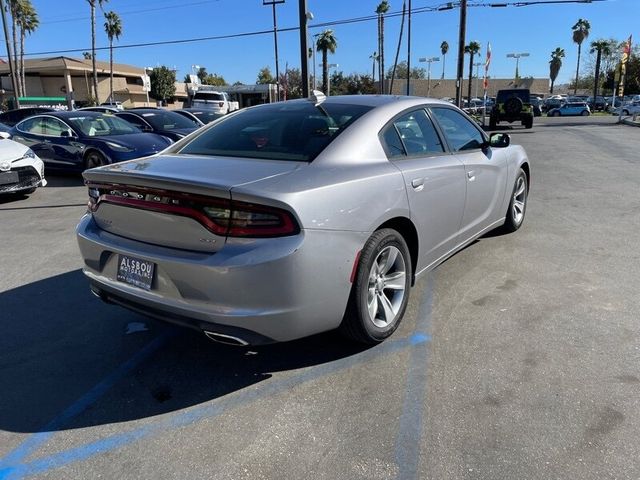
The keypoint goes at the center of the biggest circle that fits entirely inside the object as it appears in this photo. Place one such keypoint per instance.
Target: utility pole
(273, 4)
(304, 64)
(14, 81)
(461, 40)
(409, 51)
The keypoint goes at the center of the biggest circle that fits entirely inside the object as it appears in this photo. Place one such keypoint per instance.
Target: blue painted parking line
(34, 441)
(195, 414)
(410, 429)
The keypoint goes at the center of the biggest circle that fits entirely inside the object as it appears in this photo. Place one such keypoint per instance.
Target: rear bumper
(261, 290)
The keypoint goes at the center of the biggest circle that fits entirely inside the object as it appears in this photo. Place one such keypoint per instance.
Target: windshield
(208, 96)
(165, 120)
(102, 125)
(284, 131)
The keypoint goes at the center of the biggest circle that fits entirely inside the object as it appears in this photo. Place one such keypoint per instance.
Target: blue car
(77, 140)
(571, 108)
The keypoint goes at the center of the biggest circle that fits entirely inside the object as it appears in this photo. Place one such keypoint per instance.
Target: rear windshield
(504, 95)
(166, 120)
(208, 96)
(296, 131)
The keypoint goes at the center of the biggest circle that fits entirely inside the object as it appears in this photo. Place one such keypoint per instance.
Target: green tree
(291, 83)
(113, 28)
(401, 71)
(472, 49)
(163, 83)
(444, 49)
(265, 76)
(381, 9)
(554, 65)
(28, 22)
(202, 74)
(353, 84)
(580, 33)
(326, 43)
(214, 79)
(600, 47)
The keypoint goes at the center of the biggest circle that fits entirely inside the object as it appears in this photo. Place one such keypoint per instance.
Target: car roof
(377, 100)
(72, 113)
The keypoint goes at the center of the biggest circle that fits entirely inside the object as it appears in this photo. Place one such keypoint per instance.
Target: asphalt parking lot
(518, 358)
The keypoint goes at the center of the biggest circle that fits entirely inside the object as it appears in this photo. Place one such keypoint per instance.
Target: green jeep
(512, 105)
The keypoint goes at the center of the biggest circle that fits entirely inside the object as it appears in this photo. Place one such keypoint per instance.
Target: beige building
(57, 76)
(447, 88)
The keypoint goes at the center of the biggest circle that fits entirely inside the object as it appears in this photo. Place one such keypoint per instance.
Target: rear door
(31, 132)
(434, 182)
(485, 170)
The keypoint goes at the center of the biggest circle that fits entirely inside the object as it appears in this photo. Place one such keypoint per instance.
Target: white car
(21, 170)
(632, 108)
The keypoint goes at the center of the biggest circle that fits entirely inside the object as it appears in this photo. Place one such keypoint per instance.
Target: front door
(485, 170)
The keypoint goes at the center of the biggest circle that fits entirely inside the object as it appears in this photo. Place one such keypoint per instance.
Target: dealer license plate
(135, 271)
(8, 177)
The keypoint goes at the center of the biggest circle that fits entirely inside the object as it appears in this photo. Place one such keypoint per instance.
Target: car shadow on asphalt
(53, 181)
(59, 342)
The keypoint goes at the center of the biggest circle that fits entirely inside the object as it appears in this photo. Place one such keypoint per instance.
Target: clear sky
(534, 29)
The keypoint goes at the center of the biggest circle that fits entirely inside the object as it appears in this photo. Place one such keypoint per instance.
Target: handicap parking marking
(195, 414)
(35, 440)
(407, 450)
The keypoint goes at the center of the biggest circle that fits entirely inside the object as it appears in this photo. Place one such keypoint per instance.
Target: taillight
(220, 216)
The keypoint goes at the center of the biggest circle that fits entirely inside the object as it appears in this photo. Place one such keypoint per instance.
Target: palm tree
(113, 27)
(375, 58)
(28, 22)
(471, 49)
(380, 11)
(444, 48)
(580, 33)
(554, 65)
(599, 47)
(326, 43)
(15, 8)
(92, 5)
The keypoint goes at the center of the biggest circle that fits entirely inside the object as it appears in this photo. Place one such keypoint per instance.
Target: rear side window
(296, 131)
(460, 132)
(412, 134)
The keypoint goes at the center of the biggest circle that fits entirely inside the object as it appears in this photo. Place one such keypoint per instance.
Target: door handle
(46, 141)
(471, 175)
(417, 184)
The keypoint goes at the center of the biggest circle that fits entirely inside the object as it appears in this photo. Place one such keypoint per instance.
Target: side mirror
(5, 135)
(499, 140)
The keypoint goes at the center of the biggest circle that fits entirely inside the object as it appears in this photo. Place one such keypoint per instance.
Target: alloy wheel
(386, 286)
(519, 199)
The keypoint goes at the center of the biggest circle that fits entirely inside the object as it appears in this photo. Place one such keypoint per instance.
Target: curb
(628, 121)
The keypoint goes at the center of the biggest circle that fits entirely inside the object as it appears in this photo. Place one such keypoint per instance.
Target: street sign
(146, 83)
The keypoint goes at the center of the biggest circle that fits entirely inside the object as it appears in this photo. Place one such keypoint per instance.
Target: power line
(347, 21)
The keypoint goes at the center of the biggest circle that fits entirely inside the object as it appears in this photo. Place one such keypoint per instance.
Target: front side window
(296, 131)
(458, 129)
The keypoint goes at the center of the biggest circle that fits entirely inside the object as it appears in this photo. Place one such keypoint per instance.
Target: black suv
(512, 105)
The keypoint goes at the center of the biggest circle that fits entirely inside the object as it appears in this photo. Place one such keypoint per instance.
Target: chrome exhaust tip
(226, 339)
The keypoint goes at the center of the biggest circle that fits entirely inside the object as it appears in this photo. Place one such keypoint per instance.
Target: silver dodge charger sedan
(284, 220)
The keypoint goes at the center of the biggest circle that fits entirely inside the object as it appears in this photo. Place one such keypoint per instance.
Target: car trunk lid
(178, 201)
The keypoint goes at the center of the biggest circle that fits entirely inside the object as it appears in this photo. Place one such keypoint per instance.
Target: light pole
(309, 17)
(273, 4)
(313, 47)
(429, 60)
(477, 65)
(329, 66)
(375, 57)
(517, 56)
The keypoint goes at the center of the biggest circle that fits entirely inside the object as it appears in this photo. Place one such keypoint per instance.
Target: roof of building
(57, 65)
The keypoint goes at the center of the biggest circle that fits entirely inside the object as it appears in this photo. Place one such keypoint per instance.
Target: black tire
(527, 122)
(493, 122)
(30, 191)
(512, 221)
(585, 113)
(94, 159)
(556, 114)
(513, 106)
(357, 323)
(625, 112)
